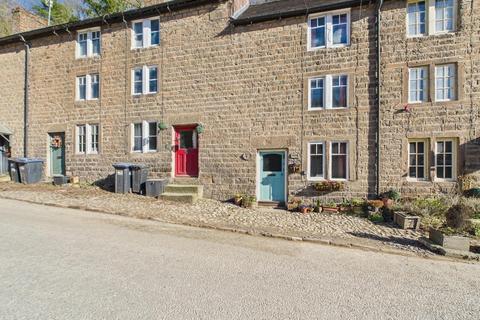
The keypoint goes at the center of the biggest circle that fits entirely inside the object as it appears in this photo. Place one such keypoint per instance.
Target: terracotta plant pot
(330, 209)
(387, 202)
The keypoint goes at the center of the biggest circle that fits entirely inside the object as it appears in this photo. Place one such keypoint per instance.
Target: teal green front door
(57, 153)
(272, 176)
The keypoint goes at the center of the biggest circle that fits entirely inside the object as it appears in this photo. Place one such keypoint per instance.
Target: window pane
(339, 166)
(316, 166)
(155, 32)
(340, 34)
(186, 139)
(153, 80)
(95, 86)
(448, 173)
(272, 162)
(138, 31)
(318, 37)
(138, 81)
(137, 137)
(339, 99)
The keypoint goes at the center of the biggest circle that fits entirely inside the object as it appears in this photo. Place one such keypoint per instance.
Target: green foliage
(96, 8)
(376, 217)
(392, 194)
(476, 230)
(60, 13)
(6, 18)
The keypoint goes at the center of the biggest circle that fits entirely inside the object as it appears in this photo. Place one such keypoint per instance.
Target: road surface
(70, 264)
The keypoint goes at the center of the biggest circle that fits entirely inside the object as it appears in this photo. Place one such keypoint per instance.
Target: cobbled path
(216, 214)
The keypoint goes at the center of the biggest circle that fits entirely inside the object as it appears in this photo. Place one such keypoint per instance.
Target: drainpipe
(25, 97)
(378, 61)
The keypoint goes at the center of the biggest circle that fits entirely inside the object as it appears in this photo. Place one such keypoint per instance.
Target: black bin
(13, 170)
(30, 170)
(122, 177)
(139, 177)
(155, 187)
(60, 180)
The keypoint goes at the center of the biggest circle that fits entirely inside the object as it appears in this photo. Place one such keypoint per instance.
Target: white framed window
(329, 30)
(416, 18)
(81, 145)
(88, 43)
(445, 82)
(316, 161)
(445, 160)
(339, 160)
(144, 136)
(145, 80)
(145, 33)
(417, 159)
(87, 139)
(426, 17)
(418, 84)
(444, 16)
(328, 92)
(88, 87)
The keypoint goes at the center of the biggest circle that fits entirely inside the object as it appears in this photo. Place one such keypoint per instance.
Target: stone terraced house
(259, 97)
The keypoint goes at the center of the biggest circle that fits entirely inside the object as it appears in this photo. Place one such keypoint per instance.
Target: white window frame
(425, 87)
(145, 137)
(430, 19)
(327, 92)
(309, 161)
(88, 84)
(89, 33)
(88, 138)
(446, 67)
(454, 159)
(330, 162)
(426, 151)
(329, 29)
(146, 32)
(145, 80)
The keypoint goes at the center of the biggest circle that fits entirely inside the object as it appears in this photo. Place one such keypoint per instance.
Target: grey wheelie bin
(30, 170)
(13, 170)
(155, 187)
(139, 177)
(122, 177)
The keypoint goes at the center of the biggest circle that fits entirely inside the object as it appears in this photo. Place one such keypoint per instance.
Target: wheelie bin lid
(122, 165)
(28, 160)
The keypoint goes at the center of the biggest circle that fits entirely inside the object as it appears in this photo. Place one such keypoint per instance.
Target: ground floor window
(87, 139)
(445, 159)
(144, 136)
(337, 160)
(416, 159)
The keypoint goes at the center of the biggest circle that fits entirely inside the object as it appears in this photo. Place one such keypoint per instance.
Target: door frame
(49, 167)
(258, 171)
(174, 153)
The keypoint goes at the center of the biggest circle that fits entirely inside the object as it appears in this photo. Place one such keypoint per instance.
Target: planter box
(406, 221)
(330, 209)
(449, 242)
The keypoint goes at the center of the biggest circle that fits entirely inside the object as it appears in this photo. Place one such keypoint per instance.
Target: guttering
(25, 96)
(378, 61)
(299, 12)
(154, 10)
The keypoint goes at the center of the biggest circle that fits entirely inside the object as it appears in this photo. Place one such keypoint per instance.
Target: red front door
(186, 151)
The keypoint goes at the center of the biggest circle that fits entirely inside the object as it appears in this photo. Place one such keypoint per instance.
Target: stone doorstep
(179, 197)
(5, 178)
(465, 255)
(185, 189)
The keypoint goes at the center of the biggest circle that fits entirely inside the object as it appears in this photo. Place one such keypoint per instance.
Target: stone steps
(5, 178)
(182, 193)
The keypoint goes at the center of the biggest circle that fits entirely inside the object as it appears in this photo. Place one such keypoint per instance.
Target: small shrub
(376, 217)
(476, 230)
(392, 194)
(457, 217)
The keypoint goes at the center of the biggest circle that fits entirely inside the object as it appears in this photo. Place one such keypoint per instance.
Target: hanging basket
(56, 142)
(200, 128)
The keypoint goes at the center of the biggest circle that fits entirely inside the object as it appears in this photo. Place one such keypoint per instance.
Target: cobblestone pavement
(215, 214)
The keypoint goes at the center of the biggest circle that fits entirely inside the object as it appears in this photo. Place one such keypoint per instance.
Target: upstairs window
(328, 92)
(430, 17)
(144, 80)
(329, 30)
(88, 87)
(416, 18)
(88, 44)
(418, 85)
(445, 82)
(145, 33)
(144, 136)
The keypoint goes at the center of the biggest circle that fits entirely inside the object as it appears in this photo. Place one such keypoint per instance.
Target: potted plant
(330, 207)
(328, 185)
(452, 235)
(375, 217)
(357, 206)
(345, 206)
(318, 206)
(162, 125)
(390, 197)
(249, 202)
(238, 199)
(406, 220)
(293, 204)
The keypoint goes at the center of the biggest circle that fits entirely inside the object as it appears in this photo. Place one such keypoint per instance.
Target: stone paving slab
(336, 229)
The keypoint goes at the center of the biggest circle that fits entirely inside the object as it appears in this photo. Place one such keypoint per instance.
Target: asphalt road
(71, 264)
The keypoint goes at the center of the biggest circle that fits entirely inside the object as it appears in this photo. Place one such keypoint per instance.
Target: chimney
(23, 20)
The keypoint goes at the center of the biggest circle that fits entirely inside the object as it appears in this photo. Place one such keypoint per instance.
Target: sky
(29, 3)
